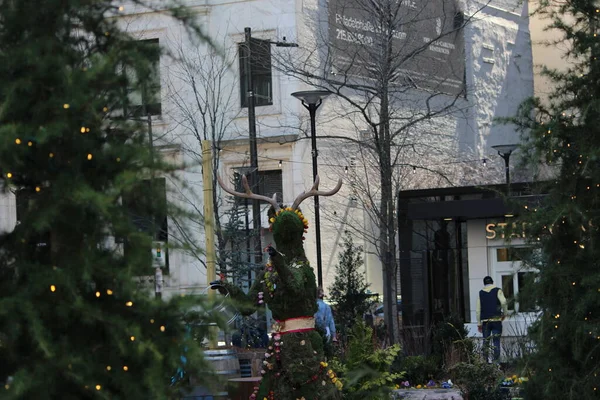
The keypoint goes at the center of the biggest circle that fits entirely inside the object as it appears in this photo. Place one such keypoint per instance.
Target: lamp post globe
(311, 100)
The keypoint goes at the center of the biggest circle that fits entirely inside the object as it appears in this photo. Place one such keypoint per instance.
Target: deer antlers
(314, 191)
(249, 194)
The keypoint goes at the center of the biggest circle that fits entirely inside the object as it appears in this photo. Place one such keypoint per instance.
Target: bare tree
(204, 93)
(396, 69)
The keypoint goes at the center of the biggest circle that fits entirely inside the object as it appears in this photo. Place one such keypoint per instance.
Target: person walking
(324, 317)
(491, 311)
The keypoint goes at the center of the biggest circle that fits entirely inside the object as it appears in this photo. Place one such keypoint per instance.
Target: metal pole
(253, 150)
(507, 169)
(158, 275)
(506, 157)
(312, 109)
(209, 227)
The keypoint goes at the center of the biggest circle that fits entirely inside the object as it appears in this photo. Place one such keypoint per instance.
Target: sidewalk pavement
(427, 394)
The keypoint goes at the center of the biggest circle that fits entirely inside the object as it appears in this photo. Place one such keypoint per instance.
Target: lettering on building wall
(501, 230)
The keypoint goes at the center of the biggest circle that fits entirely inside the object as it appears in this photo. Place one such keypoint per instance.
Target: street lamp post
(311, 100)
(504, 151)
(252, 134)
(253, 147)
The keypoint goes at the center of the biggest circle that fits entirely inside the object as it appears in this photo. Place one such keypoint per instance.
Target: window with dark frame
(509, 290)
(147, 208)
(270, 182)
(145, 98)
(525, 281)
(262, 79)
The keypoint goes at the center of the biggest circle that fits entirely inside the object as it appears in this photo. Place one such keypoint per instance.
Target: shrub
(478, 380)
(365, 369)
(449, 344)
(419, 369)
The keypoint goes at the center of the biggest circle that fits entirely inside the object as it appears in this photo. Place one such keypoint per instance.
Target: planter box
(250, 361)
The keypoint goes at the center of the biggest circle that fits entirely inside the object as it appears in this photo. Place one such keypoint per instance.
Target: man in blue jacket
(491, 311)
(324, 317)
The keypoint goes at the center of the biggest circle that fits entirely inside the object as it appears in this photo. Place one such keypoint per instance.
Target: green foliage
(294, 367)
(420, 369)
(365, 370)
(349, 289)
(74, 321)
(287, 228)
(478, 380)
(449, 344)
(563, 135)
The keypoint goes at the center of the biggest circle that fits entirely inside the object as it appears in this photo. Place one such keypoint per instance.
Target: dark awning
(465, 202)
(458, 209)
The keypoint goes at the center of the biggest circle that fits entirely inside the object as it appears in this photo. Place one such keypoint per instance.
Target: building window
(508, 254)
(146, 205)
(270, 182)
(526, 302)
(260, 65)
(514, 279)
(143, 92)
(508, 287)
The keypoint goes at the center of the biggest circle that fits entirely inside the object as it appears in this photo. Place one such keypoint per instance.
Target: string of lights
(280, 162)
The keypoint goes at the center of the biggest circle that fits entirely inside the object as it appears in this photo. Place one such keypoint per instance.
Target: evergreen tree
(349, 289)
(564, 134)
(74, 322)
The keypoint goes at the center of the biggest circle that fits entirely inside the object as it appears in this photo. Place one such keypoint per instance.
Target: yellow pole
(209, 226)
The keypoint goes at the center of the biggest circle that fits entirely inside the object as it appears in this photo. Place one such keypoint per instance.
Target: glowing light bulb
(89, 156)
(66, 106)
(52, 288)
(51, 155)
(82, 130)
(9, 175)
(162, 328)
(125, 368)
(97, 294)
(129, 303)
(108, 367)
(152, 321)
(109, 292)
(37, 188)
(98, 387)
(132, 338)
(18, 141)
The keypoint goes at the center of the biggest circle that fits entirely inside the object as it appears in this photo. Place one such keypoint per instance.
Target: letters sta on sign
(515, 232)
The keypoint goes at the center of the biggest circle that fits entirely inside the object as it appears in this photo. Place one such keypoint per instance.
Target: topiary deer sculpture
(294, 366)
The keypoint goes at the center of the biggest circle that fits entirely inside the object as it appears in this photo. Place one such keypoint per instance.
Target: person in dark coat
(491, 311)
